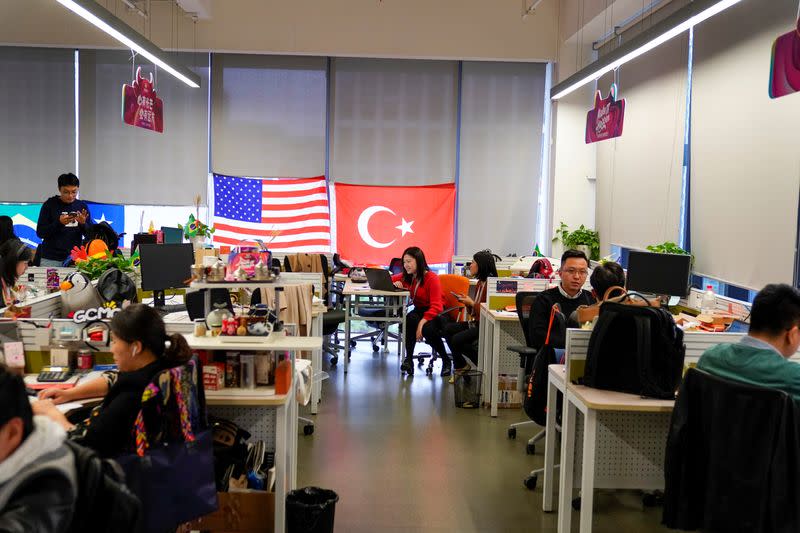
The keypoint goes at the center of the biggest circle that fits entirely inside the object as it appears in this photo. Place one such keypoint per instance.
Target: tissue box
(214, 376)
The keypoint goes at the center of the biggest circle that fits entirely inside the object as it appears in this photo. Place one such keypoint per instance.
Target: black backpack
(104, 501)
(635, 349)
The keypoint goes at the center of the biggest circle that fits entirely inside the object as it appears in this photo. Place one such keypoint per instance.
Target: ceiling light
(106, 21)
(677, 23)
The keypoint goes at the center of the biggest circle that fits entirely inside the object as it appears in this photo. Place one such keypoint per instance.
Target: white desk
(496, 331)
(356, 296)
(623, 445)
(556, 382)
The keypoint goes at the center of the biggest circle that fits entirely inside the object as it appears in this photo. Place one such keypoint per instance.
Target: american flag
(256, 208)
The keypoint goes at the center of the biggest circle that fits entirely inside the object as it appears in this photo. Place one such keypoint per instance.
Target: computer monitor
(165, 266)
(663, 274)
(172, 235)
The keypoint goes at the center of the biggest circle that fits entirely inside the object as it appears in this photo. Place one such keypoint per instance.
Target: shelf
(271, 342)
(260, 396)
(232, 284)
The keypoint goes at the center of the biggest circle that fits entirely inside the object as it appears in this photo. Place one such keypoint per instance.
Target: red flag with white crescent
(376, 223)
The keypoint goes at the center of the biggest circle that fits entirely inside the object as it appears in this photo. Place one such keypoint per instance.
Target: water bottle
(708, 303)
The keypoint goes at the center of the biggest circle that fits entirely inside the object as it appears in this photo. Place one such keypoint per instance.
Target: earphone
(134, 351)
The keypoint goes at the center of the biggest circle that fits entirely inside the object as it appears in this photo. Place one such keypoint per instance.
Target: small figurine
(241, 331)
(240, 274)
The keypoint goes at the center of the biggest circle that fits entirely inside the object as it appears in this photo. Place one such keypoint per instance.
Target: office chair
(335, 315)
(396, 265)
(454, 309)
(524, 302)
(715, 480)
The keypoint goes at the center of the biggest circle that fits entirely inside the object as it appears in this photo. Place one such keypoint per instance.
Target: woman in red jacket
(424, 320)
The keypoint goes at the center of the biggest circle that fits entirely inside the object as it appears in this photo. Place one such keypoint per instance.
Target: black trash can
(310, 510)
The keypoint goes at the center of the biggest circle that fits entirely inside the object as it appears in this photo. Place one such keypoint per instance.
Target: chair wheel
(429, 371)
(652, 500)
(576, 503)
(420, 361)
(530, 448)
(334, 360)
(530, 482)
(375, 348)
(512, 433)
(308, 429)
(353, 344)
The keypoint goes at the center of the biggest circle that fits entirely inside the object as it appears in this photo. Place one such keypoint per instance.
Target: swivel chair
(527, 353)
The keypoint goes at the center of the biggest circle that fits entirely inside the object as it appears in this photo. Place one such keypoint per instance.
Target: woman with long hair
(424, 321)
(462, 337)
(14, 259)
(141, 349)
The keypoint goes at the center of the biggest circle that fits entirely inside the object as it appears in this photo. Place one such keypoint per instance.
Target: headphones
(134, 351)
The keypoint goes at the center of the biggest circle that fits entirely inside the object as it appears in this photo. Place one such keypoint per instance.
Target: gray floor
(402, 457)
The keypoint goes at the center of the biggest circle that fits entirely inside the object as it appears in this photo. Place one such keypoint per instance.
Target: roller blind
(502, 108)
(639, 174)
(394, 121)
(125, 164)
(268, 115)
(37, 110)
(745, 158)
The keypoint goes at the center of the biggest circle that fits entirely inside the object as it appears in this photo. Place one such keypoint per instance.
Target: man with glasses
(762, 356)
(568, 296)
(63, 222)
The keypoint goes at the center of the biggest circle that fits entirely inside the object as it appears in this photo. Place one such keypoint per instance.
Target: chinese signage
(605, 120)
(784, 72)
(140, 105)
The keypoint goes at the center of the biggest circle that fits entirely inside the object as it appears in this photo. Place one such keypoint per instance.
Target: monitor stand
(159, 298)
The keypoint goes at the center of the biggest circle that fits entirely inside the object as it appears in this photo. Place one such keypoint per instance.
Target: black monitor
(653, 273)
(165, 266)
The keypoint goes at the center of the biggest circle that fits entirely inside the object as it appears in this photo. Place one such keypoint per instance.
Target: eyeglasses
(582, 272)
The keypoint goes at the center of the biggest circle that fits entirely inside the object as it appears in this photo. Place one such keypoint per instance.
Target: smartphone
(73, 214)
(456, 294)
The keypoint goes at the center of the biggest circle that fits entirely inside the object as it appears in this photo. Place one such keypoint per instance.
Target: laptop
(380, 280)
(738, 326)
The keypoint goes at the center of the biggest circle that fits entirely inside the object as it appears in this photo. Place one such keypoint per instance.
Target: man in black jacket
(38, 480)
(568, 295)
(63, 222)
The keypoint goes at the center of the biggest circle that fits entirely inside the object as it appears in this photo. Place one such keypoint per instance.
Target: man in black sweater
(568, 295)
(63, 221)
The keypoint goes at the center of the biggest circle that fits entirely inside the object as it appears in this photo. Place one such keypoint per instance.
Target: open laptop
(380, 280)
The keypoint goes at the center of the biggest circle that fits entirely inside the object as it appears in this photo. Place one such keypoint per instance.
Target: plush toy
(77, 292)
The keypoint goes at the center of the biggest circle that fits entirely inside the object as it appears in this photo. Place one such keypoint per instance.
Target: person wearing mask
(762, 356)
(14, 259)
(462, 337)
(424, 321)
(6, 229)
(63, 221)
(569, 295)
(38, 477)
(605, 276)
(141, 349)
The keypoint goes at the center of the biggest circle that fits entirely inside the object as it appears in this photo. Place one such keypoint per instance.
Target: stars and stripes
(255, 208)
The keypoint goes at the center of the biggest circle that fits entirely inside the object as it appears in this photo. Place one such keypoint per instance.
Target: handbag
(174, 480)
(587, 313)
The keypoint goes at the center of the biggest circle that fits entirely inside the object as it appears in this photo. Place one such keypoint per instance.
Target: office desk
(496, 331)
(556, 382)
(359, 295)
(623, 443)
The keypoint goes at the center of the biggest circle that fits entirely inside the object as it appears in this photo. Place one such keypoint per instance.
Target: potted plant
(669, 248)
(583, 238)
(195, 231)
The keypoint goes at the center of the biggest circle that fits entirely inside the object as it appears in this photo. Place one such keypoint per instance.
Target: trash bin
(468, 389)
(310, 510)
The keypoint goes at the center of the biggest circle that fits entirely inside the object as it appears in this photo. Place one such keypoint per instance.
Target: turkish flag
(376, 223)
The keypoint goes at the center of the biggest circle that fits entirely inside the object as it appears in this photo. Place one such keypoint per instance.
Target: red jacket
(428, 294)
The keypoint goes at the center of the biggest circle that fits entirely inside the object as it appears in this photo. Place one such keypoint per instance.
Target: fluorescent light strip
(661, 39)
(78, 9)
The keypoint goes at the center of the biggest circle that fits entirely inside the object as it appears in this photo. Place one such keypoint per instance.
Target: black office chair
(731, 461)
(195, 302)
(396, 265)
(335, 315)
(527, 353)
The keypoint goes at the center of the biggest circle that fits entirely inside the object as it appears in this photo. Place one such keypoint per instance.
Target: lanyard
(416, 287)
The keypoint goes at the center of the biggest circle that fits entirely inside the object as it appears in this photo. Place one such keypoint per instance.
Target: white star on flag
(103, 219)
(405, 227)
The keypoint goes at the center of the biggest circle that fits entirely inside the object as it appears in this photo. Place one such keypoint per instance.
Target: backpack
(104, 501)
(635, 349)
(534, 401)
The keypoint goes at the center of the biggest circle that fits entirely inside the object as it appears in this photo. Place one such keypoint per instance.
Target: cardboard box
(509, 395)
(200, 253)
(241, 512)
(214, 376)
